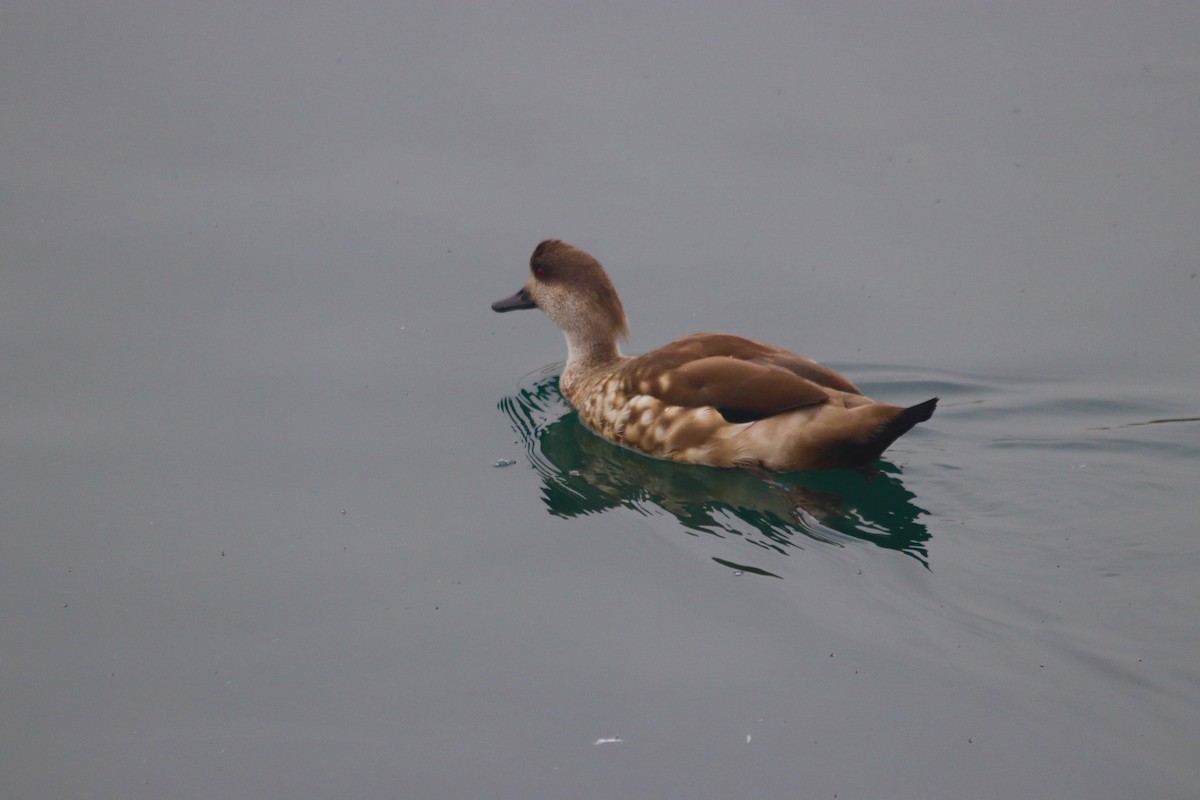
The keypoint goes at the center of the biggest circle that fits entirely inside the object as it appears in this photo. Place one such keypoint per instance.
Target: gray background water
(252, 541)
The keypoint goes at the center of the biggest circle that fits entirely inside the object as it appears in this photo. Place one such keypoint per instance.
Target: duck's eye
(541, 273)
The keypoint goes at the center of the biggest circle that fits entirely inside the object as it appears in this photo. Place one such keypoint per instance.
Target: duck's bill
(519, 300)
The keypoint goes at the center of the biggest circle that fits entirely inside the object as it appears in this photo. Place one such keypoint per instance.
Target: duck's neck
(588, 354)
(588, 351)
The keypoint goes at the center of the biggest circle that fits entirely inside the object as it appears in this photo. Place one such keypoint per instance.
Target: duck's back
(707, 345)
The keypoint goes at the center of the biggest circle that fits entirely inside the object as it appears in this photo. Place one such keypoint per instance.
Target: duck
(713, 399)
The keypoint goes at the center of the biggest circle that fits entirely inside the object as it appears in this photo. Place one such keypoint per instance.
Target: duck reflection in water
(584, 474)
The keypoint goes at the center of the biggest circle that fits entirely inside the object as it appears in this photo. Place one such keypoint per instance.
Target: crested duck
(708, 398)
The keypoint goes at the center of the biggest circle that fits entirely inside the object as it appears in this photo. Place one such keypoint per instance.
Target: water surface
(253, 541)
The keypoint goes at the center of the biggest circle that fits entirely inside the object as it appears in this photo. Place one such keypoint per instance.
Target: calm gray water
(253, 538)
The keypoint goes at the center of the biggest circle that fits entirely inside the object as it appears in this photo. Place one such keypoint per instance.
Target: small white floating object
(505, 462)
(747, 738)
(607, 740)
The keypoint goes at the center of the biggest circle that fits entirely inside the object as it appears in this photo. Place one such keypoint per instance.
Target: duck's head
(573, 290)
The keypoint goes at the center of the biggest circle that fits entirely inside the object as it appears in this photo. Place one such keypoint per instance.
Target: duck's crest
(548, 244)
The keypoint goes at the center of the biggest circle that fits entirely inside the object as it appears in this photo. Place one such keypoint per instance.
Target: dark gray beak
(519, 300)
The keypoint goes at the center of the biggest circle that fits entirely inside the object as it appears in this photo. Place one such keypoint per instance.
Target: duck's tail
(893, 429)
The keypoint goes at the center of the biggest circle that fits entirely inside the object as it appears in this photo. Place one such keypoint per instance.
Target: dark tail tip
(918, 413)
(903, 423)
(891, 431)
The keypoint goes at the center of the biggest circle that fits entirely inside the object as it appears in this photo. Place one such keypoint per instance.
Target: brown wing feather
(810, 370)
(743, 378)
(762, 353)
(740, 390)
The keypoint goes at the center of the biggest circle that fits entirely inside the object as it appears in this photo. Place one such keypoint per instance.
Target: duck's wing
(743, 379)
(808, 369)
(741, 391)
(707, 345)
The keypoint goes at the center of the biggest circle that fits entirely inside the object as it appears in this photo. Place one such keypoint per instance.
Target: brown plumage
(708, 398)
